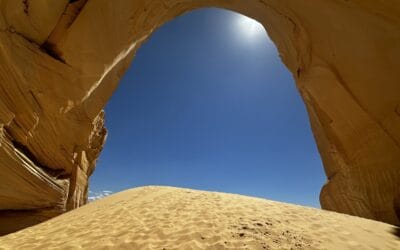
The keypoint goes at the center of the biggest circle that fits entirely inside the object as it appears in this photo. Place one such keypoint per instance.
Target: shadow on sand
(396, 231)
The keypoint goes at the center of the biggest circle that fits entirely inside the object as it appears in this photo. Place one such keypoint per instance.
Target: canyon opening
(208, 104)
(61, 61)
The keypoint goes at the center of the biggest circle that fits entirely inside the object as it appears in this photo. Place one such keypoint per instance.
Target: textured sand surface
(174, 218)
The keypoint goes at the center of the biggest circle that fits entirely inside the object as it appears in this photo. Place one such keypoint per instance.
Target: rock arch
(60, 61)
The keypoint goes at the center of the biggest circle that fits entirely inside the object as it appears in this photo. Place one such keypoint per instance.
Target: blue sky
(208, 104)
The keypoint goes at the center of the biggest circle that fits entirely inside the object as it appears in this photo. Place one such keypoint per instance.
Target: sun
(249, 27)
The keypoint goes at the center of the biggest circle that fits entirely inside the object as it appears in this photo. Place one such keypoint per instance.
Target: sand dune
(174, 218)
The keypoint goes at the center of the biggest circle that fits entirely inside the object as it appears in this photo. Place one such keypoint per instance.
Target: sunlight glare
(249, 27)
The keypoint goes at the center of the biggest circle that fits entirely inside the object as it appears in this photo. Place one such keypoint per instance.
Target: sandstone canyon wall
(61, 60)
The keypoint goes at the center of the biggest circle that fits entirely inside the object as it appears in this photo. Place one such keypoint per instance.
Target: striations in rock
(60, 62)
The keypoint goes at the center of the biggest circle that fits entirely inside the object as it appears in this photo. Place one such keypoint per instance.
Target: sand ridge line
(175, 218)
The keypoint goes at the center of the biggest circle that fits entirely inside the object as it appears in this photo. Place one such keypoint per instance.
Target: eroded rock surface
(60, 62)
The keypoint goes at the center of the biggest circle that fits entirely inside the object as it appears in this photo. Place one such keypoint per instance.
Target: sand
(174, 218)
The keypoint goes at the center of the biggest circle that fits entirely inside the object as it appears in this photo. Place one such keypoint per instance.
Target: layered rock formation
(60, 61)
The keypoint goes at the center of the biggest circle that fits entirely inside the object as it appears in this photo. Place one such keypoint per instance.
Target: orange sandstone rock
(60, 62)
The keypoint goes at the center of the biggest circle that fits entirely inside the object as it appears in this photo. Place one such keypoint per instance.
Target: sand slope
(173, 218)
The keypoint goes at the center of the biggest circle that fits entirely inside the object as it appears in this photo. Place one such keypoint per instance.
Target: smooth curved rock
(33, 19)
(59, 67)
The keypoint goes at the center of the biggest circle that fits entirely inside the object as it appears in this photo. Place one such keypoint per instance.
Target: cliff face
(60, 61)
